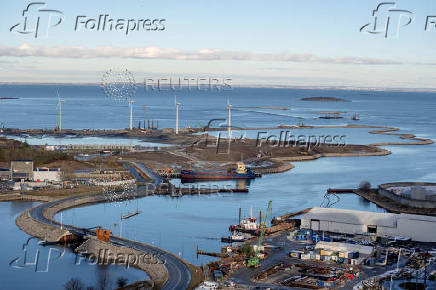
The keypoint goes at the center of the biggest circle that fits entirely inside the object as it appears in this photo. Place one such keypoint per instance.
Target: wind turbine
(177, 114)
(59, 105)
(229, 120)
(131, 101)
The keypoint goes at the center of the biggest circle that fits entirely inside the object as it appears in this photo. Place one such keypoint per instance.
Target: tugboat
(235, 238)
(241, 172)
(247, 225)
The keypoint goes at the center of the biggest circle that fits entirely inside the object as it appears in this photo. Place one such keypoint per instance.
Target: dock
(129, 215)
(341, 190)
(204, 253)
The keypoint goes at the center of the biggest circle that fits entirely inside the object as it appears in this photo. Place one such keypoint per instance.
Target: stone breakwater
(103, 253)
(168, 271)
(32, 227)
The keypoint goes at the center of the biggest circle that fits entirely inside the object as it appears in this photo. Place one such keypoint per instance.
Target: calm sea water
(179, 225)
(54, 267)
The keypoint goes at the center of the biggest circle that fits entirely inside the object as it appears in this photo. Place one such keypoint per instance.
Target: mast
(239, 216)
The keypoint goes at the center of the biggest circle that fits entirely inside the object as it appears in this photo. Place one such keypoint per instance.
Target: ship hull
(205, 175)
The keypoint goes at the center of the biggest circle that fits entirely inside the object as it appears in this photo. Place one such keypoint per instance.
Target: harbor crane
(254, 260)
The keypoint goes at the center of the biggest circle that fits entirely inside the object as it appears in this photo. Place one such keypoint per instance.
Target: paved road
(179, 274)
(156, 179)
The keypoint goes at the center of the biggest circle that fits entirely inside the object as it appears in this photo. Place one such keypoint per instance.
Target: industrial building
(413, 194)
(5, 174)
(47, 175)
(419, 228)
(21, 170)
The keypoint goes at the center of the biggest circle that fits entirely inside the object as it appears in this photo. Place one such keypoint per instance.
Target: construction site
(298, 251)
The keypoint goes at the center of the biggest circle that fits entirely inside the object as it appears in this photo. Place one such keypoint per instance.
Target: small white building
(47, 175)
(345, 247)
(419, 228)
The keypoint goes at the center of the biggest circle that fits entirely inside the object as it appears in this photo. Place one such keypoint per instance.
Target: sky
(311, 43)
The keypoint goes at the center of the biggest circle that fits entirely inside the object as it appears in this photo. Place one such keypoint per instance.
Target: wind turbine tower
(131, 101)
(177, 114)
(229, 121)
(59, 105)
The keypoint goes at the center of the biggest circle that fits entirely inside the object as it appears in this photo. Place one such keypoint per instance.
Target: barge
(241, 172)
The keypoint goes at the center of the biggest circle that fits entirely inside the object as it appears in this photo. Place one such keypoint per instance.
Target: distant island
(324, 99)
(9, 98)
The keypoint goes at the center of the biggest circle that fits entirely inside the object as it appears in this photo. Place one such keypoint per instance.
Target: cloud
(153, 52)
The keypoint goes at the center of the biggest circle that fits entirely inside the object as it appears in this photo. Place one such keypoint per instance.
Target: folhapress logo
(37, 20)
(106, 23)
(387, 20)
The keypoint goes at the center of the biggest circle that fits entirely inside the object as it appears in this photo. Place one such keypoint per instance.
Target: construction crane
(254, 260)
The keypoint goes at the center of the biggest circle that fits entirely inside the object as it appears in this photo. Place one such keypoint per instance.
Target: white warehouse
(419, 228)
(47, 175)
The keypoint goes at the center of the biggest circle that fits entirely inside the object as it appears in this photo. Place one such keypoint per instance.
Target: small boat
(241, 172)
(235, 238)
(355, 117)
(247, 225)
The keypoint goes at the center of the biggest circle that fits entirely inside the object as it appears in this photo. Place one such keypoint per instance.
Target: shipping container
(326, 283)
(353, 255)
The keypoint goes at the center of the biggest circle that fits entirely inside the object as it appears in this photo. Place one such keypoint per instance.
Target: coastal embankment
(170, 273)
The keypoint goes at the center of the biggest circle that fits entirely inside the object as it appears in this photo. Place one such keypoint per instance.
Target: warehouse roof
(344, 247)
(358, 217)
(355, 217)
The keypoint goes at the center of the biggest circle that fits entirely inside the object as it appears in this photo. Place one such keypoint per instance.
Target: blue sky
(294, 43)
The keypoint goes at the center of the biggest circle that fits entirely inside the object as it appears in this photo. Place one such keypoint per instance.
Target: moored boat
(235, 238)
(241, 172)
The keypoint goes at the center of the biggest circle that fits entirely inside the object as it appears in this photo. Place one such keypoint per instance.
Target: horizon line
(277, 86)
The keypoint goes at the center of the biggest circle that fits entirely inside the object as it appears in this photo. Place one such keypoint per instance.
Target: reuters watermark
(187, 83)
